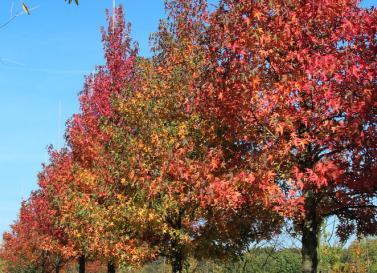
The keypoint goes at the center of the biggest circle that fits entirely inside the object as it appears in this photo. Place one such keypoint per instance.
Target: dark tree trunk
(310, 236)
(82, 262)
(58, 264)
(43, 265)
(177, 261)
(110, 267)
(177, 264)
(177, 257)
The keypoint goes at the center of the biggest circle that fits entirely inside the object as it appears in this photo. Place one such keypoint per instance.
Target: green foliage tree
(360, 257)
(266, 260)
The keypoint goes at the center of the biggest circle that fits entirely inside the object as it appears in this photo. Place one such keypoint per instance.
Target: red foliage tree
(35, 241)
(293, 84)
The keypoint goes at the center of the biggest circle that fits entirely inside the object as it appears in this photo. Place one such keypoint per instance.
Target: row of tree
(359, 257)
(248, 114)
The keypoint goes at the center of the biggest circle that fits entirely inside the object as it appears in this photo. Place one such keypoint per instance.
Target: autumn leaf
(25, 8)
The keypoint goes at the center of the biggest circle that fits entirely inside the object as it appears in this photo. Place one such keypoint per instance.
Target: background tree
(35, 242)
(361, 256)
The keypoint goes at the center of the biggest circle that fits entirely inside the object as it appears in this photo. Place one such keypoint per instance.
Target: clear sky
(43, 58)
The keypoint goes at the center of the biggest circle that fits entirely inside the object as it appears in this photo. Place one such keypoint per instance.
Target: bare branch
(18, 14)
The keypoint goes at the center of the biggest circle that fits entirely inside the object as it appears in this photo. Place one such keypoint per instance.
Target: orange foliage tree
(170, 167)
(91, 207)
(146, 180)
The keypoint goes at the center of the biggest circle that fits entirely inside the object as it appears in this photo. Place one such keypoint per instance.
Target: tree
(167, 158)
(361, 256)
(294, 81)
(146, 179)
(330, 250)
(55, 181)
(35, 242)
(94, 208)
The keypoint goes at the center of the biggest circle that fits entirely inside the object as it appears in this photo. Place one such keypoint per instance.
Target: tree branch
(347, 209)
(18, 14)
(10, 20)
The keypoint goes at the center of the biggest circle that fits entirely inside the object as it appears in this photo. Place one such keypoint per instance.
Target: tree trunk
(177, 257)
(310, 236)
(82, 263)
(43, 269)
(177, 265)
(58, 264)
(177, 261)
(110, 267)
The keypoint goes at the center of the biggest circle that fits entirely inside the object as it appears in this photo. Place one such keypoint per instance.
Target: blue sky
(43, 58)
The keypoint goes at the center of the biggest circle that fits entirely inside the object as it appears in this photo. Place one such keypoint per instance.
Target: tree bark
(310, 236)
(177, 264)
(43, 269)
(58, 264)
(82, 262)
(177, 259)
(110, 267)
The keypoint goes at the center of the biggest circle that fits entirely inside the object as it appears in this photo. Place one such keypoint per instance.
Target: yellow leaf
(26, 9)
